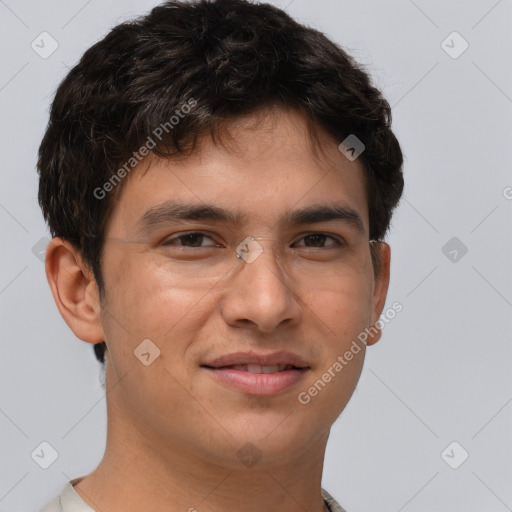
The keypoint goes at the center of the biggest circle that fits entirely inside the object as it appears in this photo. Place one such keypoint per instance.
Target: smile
(257, 368)
(257, 380)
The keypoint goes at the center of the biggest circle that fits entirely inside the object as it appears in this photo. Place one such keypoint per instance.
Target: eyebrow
(172, 211)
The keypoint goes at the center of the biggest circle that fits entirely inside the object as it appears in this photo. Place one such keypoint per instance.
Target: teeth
(257, 368)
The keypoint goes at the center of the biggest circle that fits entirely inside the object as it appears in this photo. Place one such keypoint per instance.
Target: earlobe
(74, 290)
(380, 293)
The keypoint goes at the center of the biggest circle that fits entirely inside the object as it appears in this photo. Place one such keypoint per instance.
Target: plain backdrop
(436, 389)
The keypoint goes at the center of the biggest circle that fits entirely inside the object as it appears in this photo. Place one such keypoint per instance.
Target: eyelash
(169, 241)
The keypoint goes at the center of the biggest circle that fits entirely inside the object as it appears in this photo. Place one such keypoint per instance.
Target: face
(289, 306)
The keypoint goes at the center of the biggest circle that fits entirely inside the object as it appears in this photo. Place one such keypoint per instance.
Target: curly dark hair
(233, 57)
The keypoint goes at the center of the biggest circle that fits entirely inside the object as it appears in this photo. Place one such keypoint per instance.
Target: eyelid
(177, 236)
(340, 242)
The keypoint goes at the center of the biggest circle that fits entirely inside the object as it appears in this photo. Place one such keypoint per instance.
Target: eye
(193, 239)
(317, 240)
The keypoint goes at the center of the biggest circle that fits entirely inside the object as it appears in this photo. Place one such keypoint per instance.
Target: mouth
(257, 368)
(258, 375)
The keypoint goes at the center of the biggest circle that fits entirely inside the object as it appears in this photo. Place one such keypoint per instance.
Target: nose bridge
(251, 248)
(261, 259)
(260, 291)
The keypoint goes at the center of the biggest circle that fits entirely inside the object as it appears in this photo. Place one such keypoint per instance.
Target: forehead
(262, 168)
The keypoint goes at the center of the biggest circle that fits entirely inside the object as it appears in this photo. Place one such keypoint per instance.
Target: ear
(380, 292)
(74, 290)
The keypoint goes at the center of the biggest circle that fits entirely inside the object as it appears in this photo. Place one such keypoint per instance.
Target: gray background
(441, 372)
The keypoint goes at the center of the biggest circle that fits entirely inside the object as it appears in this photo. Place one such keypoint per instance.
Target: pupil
(194, 238)
(316, 238)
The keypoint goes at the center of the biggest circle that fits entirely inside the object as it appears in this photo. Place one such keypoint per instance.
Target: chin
(272, 443)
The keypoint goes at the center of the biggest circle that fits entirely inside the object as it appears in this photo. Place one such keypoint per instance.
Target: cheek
(142, 304)
(340, 312)
(333, 382)
(337, 317)
(337, 384)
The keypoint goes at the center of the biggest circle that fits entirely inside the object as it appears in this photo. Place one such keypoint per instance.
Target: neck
(145, 468)
(140, 474)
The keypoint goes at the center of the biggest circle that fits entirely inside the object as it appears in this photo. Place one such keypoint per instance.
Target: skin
(173, 430)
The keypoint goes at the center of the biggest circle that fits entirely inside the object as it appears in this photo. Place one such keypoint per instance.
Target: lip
(258, 384)
(270, 359)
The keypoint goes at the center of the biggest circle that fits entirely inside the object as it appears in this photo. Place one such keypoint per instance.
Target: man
(218, 180)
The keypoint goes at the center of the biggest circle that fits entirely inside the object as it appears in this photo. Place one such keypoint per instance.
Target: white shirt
(70, 501)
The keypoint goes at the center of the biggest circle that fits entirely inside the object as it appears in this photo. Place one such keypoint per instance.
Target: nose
(260, 293)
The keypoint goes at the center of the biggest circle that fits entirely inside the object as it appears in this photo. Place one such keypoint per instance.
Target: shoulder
(333, 505)
(67, 501)
(52, 506)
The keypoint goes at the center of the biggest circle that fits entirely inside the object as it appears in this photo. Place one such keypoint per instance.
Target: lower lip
(258, 384)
